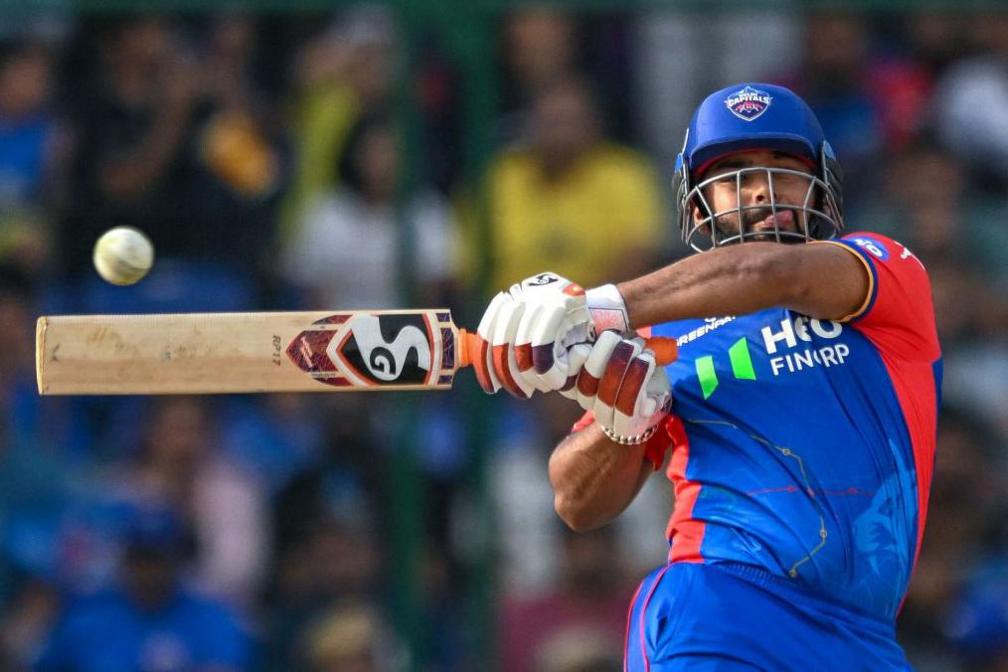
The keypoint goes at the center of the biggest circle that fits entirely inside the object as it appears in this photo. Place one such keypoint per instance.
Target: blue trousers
(727, 617)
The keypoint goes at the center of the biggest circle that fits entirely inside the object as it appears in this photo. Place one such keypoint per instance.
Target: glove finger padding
(621, 358)
(557, 318)
(523, 342)
(534, 354)
(549, 329)
(483, 360)
(642, 397)
(622, 385)
(593, 370)
(505, 362)
(577, 355)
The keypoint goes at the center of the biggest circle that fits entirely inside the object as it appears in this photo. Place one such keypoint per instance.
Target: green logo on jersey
(741, 364)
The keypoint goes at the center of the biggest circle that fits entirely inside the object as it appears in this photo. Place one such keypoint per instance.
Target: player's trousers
(727, 617)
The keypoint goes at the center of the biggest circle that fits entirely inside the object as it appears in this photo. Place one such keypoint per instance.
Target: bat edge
(41, 325)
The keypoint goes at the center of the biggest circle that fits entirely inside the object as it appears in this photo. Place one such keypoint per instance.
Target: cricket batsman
(800, 415)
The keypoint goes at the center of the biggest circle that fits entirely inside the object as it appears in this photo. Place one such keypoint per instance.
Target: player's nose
(759, 188)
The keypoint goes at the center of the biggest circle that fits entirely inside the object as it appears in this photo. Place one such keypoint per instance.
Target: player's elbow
(570, 502)
(584, 494)
(575, 515)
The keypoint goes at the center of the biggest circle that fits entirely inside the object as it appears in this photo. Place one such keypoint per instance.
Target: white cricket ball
(123, 255)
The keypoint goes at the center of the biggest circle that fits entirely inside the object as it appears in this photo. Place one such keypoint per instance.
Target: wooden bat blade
(215, 353)
(208, 353)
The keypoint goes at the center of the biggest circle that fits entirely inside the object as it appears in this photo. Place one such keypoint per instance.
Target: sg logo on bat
(375, 349)
(395, 349)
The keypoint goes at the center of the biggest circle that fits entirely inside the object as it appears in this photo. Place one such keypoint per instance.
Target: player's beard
(727, 224)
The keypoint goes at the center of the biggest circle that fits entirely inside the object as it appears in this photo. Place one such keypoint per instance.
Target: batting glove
(529, 331)
(623, 387)
(565, 320)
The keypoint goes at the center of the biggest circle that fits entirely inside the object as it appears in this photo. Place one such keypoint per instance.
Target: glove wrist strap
(607, 308)
(644, 436)
(631, 440)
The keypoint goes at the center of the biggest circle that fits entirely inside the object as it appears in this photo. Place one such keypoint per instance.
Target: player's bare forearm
(595, 479)
(823, 281)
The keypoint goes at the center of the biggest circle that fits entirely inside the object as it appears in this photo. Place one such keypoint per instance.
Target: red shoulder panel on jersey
(898, 314)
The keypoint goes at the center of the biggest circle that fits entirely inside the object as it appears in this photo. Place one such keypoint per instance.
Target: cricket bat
(210, 353)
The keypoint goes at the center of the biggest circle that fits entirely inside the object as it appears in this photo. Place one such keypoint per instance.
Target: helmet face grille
(757, 116)
(816, 217)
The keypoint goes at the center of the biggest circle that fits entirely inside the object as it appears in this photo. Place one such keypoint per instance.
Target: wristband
(607, 308)
(631, 440)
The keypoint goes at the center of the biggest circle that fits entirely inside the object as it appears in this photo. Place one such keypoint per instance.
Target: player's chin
(786, 238)
(728, 234)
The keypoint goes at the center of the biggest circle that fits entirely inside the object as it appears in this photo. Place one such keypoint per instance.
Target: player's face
(748, 194)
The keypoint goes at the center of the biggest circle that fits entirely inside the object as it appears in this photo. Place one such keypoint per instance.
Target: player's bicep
(830, 282)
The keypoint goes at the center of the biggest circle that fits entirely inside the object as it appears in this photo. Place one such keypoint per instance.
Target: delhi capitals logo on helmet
(748, 103)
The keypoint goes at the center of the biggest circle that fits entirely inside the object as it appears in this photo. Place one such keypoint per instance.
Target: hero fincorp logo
(748, 103)
(789, 337)
(872, 247)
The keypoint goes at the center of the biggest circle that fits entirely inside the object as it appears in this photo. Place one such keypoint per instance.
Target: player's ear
(700, 215)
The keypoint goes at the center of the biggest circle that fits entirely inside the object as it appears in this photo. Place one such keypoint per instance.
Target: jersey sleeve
(898, 313)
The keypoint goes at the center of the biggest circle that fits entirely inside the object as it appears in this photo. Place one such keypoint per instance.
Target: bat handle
(469, 345)
(665, 349)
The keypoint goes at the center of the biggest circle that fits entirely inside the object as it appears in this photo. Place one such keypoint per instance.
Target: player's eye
(789, 179)
(751, 177)
(727, 176)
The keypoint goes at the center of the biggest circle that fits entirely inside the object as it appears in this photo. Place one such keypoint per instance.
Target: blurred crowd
(307, 162)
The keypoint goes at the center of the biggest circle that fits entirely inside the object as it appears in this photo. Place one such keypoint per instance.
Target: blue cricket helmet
(756, 116)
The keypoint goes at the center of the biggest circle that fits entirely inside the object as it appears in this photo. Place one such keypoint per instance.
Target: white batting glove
(621, 384)
(557, 309)
(530, 329)
(528, 333)
(558, 349)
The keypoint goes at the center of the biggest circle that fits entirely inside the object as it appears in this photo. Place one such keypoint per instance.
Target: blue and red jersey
(805, 447)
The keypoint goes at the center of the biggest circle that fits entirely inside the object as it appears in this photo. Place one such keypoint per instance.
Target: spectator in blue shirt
(150, 621)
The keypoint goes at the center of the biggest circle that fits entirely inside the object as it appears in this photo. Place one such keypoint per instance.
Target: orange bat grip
(665, 349)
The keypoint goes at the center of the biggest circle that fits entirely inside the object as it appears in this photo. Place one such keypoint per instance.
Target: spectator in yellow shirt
(569, 200)
(340, 76)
